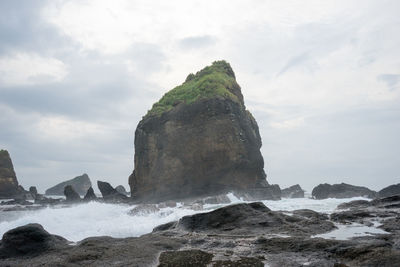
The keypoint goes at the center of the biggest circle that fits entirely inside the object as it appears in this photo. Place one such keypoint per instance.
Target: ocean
(80, 221)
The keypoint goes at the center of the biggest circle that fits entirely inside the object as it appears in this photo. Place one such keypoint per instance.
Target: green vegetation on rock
(215, 80)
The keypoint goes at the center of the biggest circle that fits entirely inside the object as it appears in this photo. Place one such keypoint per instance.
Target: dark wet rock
(16, 202)
(121, 189)
(252, 218)
(29, 240)
(80, 184)
(70, 194)
(342, 190)
(185, 258)
(42, 200)
(144, 209)
(351, 216)
(310, 214)
(243, 262)
(8, 180)
(295, 191)
(200, 140)
(389, 191)
(90, 195)
(109, 193)
(354, 204)
(392, 202)
(391, 224)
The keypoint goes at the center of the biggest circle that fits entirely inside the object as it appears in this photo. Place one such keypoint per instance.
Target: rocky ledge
(237, 235)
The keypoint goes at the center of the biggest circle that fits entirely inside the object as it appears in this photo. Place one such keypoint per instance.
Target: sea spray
(100, 219)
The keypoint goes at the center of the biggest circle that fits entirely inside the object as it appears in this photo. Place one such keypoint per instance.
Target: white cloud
(30, 69)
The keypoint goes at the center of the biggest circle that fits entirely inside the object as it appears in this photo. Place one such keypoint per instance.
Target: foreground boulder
(342, 190)
(8, 179)
(29, 240)
(295, 191)
(389, 191)
(80, 184)
(198, 140)
(251, 218)
(70, 194)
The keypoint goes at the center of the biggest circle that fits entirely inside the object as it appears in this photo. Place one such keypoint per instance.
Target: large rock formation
(391, 190)
(199, 139)
(80, 184)
(342, 190)
(294, 191)
(8, 180)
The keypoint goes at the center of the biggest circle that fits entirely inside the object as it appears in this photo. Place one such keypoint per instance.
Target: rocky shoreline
(246, 234)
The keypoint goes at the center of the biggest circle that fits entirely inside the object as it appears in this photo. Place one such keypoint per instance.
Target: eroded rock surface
(198, 140)
(8, 179)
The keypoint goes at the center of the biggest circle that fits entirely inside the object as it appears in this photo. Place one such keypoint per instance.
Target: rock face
(29, 240)
(80, 184)
(109, 193)
(295, 191)
(71, 194)
(389, 191)
(121, 189)
(8, 180)
(198, 140)
(90, 195)
(342, 190)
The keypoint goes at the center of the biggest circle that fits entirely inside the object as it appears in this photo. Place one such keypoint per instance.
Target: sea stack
(199, 140)
(8, 179)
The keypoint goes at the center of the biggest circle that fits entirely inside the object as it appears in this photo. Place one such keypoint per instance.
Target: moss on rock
(212, 81)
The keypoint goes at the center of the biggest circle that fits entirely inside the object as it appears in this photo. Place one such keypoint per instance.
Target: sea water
(80, 221)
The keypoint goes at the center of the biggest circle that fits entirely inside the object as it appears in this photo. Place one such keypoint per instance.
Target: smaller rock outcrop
(109, 193)
(342, 190)
(121, 189)
(80, 184)
(70, 194)
(8, 180)
(29, 240)
(33, 191)
(295, 191)
(90, 195)
(391, 190)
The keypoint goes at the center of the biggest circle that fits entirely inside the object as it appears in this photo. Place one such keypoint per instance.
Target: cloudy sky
(322, 79)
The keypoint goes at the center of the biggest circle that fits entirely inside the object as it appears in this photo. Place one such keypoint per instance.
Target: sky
(322, 79)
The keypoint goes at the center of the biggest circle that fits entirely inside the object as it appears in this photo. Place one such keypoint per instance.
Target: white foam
(99, 219)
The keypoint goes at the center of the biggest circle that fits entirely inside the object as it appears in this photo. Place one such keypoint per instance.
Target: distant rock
(70, 194)
(80, 184)
(295, 191)
(90, 195)
(342, 190)
(109, 193)
(8, 180)
(389, 191)
(33, 191)
(121, 189)
(199, 140)
(29, 240)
